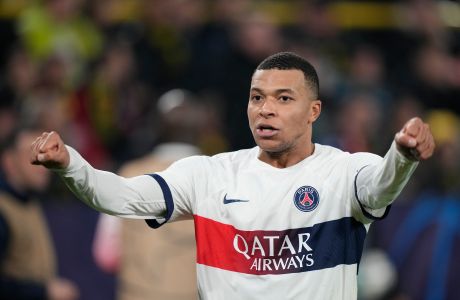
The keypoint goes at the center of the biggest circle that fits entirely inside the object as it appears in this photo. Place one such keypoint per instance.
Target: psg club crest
(306, 198)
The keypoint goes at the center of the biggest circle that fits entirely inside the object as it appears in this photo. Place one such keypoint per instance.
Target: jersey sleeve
(180, 184)
(137, 197)
(378, 181)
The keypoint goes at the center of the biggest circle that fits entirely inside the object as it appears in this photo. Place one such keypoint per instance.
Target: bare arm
(136, 197)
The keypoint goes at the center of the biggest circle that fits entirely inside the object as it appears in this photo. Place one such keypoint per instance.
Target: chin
(270, 146)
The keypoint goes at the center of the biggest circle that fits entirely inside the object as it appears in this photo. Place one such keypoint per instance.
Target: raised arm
(377, 185)
(136, 197)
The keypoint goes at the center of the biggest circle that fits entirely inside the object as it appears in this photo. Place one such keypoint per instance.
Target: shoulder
(365, 158)
(325, 154)
(235, 157)
(325, 150)
(222, 160)
(335, 155)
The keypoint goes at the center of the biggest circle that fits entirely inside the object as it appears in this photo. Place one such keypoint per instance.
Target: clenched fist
(415, 140)
(49, 150)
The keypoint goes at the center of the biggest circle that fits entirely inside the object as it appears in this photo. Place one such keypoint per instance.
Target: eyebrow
(278, 91)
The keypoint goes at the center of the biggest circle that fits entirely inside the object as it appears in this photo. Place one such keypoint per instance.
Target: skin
(281, 101)
(23, 176)
(281, 111)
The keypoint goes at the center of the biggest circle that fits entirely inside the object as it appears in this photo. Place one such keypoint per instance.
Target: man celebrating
(286, 219)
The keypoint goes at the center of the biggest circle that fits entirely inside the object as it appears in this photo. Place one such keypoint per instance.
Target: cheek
(297, 123)
(251, 115)
(299, 119)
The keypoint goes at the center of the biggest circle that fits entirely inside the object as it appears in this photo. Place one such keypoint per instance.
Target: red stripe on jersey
(260, 252)
(214, 242)
(252, 252)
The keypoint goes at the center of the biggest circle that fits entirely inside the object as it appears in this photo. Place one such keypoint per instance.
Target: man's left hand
(415, 140)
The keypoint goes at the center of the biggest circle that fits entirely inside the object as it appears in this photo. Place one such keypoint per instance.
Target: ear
(315, 111)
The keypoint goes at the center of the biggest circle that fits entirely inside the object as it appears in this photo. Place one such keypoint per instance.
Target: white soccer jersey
(263, 232)
(269, 233)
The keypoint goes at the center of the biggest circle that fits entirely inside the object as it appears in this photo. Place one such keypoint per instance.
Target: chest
(252, 199)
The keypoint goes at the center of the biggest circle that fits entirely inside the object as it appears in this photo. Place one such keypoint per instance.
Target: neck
(287, 158)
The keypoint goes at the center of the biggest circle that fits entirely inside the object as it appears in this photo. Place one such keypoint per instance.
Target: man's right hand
(49, 150)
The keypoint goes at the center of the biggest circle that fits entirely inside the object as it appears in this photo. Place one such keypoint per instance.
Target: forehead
(278, 79)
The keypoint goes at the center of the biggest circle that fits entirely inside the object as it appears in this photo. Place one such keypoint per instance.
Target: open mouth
(264, 130)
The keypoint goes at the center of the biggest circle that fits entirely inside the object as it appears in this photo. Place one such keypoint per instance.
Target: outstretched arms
(377, 185)
(136, 197)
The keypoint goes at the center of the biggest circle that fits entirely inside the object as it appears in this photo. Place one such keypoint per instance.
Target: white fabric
(136, 197)
(200, 184)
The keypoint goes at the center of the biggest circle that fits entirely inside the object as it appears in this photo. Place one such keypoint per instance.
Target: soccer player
(286, 219)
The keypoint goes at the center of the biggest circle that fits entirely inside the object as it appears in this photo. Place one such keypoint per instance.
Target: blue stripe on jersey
(363, 209)
(337, 242)
(263, 252)
(168, 200)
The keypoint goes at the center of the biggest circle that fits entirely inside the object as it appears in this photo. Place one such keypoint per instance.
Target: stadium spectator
(28, 263)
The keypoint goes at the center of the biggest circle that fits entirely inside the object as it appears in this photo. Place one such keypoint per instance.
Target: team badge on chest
(306, 198)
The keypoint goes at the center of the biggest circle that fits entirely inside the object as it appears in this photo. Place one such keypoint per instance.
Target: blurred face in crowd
(21, 174)
(257, 36)
(63, 10)
(281, 111)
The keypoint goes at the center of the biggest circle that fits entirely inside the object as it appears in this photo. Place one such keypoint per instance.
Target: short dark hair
(292, 61)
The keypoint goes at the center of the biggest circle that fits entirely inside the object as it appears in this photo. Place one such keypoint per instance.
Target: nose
(267, 109)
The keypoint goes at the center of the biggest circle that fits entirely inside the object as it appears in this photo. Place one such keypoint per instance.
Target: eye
(256, 98)
(285, 98)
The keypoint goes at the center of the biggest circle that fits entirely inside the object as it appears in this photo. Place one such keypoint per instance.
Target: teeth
(266, 129)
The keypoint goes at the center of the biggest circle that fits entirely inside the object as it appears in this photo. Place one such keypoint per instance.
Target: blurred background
(94, 71)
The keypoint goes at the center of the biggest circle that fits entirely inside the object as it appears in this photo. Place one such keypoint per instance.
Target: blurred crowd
(94, 72)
